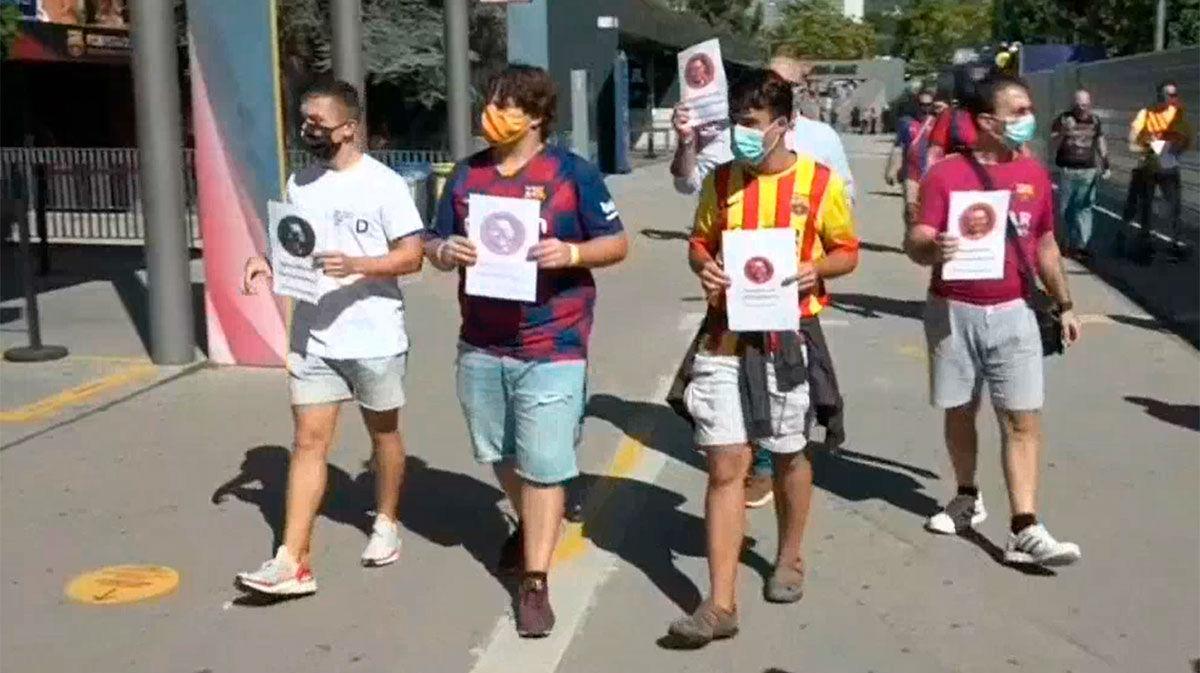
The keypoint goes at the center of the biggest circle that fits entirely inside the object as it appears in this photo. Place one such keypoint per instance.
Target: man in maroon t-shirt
(985, 330)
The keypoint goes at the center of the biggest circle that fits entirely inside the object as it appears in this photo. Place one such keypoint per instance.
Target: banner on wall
(239, 168)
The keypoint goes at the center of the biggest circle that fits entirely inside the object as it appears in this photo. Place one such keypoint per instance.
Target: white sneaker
(1035, 546)
(281, 576)
(384, 546)
(962, 512)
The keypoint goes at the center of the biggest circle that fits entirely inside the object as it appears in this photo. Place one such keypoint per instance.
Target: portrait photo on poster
(502, 233)
(977, 221)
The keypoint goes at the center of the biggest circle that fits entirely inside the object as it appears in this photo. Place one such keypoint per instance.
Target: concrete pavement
(190, 475)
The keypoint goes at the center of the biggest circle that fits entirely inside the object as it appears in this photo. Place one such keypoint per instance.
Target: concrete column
(159, 136)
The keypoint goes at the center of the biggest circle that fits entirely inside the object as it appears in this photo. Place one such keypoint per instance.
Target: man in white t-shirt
(697, 154)
(352, 344)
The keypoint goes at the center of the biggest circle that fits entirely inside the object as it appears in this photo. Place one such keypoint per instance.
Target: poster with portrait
(758, 264)
(702, 81)
(503, 230)
(979, 220)
(293, 240)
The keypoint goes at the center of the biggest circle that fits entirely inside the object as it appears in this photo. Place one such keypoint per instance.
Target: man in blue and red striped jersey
(522, 366)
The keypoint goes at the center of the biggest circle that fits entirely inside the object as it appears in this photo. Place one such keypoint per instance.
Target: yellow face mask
(503, 126)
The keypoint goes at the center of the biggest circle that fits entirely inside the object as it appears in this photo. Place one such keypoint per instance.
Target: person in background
(1081, 155)
(909, 158)
(771, 411)
(352, 344)
(856, 120)
(522, 366)
(808, 137)
(1159, 134)
(985, 331)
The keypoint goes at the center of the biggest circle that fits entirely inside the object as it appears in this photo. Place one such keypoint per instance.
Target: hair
(529, 88)
(761, 90)
(988, 90)
(340, 90)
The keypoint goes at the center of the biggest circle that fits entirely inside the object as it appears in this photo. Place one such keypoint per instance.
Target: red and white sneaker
(281, 576)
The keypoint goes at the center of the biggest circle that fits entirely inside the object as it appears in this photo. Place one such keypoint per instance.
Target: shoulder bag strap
(1028, 282)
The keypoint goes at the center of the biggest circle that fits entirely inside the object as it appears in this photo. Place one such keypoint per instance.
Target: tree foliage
(739, 17)
(10, 25)
(1122, 27)
(818, 29)
(929, 32)
(402, 42)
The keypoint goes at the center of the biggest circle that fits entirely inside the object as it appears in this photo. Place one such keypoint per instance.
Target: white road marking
(1135, 225)
(574, 589)
(690, 322)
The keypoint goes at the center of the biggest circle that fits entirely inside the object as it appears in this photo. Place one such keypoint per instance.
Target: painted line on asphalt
(580, 569)
(1135, 225)
(79, 395)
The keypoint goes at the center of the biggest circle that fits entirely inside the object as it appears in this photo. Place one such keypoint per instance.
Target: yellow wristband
(574, 254)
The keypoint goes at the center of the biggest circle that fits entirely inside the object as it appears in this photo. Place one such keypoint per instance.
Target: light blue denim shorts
(526, 411)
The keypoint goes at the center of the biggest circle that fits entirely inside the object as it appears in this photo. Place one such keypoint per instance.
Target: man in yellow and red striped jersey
(733, 407)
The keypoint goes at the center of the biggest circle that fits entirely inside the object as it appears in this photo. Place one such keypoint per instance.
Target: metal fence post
(35, 351)
(42, 183)
(581, 142)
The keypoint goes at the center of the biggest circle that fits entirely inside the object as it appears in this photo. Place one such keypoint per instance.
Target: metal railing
(93, 195)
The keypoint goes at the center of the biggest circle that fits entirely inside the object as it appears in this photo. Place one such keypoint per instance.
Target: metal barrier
(1120, 87)
(93, 195)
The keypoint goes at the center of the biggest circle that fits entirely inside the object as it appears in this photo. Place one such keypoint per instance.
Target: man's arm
(924, 242)
(1049, 262)
(922, 245)
(1050, 271)
(683, 164)
(837, 234)
(404, 257)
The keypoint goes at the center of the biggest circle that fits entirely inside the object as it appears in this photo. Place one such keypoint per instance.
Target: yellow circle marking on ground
(122, 584)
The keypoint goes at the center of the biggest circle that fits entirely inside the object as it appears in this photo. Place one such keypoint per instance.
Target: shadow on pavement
(653, 425)
(119, 265)
(850, 475)
(997, 554)
(267, 466)
(661, 533)
(1147, 323)
(446, 508)
(1183, 415)
(887, 193)
(880, 247)
(871, 306)
(856, 477)
(665, 234)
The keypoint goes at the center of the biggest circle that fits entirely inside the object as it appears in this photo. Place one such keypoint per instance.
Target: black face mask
(1081, 113)
(318, 140)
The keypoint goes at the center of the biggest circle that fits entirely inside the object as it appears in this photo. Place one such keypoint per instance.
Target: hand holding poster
(758, 262)
(503, 230)
(980, 221)
(293, 241)
(705, 89)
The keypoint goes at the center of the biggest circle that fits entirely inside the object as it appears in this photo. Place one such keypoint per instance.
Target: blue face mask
(1020, 131)
(748, 145)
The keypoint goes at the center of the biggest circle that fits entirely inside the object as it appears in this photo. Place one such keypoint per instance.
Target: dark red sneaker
(512, 554)
(535, 618)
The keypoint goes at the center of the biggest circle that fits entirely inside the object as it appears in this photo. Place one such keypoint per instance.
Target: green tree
(10, 26)
(928, 34)
(739, 17)
(402, 43)
(818, 29)
(1122, 27)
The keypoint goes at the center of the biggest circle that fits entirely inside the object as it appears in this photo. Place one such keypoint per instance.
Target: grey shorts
(714, 399)
(375, 383)
(971, 344)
